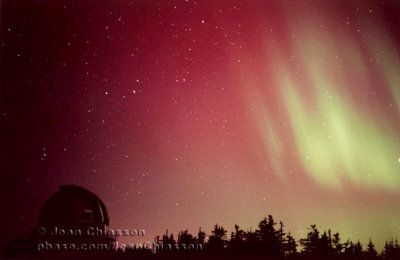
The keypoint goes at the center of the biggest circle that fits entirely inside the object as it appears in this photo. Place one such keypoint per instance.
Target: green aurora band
(334, 140)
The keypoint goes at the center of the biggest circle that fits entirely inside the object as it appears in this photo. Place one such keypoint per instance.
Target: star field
(182, 114)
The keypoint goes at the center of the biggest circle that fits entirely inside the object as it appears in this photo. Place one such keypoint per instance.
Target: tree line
(268, 241)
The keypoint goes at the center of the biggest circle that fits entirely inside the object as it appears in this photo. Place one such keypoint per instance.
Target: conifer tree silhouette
(391, 250)
(201, 236)
(252, 241)
(168, 239)
(269, 237)
(237, 242)
(185, 238)
(217, 239)
(310, 243)
(290, 245)
(371, 252)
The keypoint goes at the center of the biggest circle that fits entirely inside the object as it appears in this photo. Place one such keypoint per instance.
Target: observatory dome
(73, 205)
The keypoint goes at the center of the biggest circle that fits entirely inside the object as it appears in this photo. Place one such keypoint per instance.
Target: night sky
(183, 114)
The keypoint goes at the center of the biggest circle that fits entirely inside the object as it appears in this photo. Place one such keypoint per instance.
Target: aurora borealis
(184, 114)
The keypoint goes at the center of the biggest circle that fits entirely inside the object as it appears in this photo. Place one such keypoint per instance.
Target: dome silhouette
(65, 219)
(73, 205)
